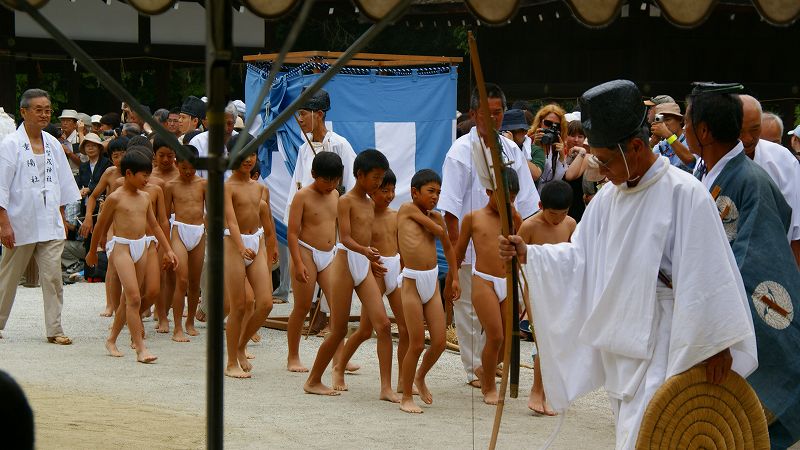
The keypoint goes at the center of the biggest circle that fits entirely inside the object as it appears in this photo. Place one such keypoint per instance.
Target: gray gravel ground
(84, 398)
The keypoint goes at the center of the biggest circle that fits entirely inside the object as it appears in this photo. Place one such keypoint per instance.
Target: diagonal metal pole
(107, 80)
(276, 67)
(360, 43)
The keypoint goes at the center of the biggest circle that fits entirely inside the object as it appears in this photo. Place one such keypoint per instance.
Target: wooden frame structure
(359, 60)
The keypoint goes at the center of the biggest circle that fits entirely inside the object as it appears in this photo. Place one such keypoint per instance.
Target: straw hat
(689, 412)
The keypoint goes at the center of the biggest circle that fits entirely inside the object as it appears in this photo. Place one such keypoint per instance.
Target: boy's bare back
(245, 198)
(186, 199)
(361, 212)
(417, 246)
(535, 230)
(318, 220)
(384, 232)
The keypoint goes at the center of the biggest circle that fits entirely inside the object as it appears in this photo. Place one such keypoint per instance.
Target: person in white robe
(311, 118)
(462, 192)
(777, 161)
(635, 297)
(200, 142)
(36, 183)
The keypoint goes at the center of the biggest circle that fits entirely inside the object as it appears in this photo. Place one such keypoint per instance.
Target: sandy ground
(83, 398)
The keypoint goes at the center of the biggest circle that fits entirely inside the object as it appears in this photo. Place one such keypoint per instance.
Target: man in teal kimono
(756, 218)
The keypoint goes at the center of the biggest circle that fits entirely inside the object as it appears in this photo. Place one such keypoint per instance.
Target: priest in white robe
(648, 287)
(36, 183)
(311, 118)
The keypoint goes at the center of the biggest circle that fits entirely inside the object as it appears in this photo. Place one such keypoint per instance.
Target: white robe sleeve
(8, 165)
(456, 180)
(69, 191)
(557, 278)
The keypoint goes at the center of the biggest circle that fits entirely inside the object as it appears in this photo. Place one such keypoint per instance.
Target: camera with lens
(659, 118)
(550, 132)
(108, 133)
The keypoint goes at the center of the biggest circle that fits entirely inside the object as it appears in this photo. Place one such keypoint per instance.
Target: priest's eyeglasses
(40, 111)
(595, 161)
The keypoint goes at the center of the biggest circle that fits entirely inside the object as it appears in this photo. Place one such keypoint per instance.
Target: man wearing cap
(515, 127)
(668, 126)
(311, 118)
(633, 300)
(193, 111)
(35, 184)
(650, 103)
(776, 161)
(794, 140)
(756, 218)
(95, 119)
(71, 138)
(462, 192)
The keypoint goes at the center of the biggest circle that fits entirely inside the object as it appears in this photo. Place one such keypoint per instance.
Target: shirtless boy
(417, 227)
(351, 270)
(117, 148)
(550, 225)
(489, 288)
(311, 238)
(248, 225)
(130, 211)
(185, 196)
(165, 170)
(386, 271)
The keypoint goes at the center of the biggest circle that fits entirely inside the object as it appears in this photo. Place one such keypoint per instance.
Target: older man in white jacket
(35, 184)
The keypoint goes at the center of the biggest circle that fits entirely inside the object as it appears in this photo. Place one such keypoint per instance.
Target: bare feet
(351, 367)
(294, 365)
(475, 383)
(236, 372)
(145, 357)
(178, 336)
(162, 326)
(113, 350)
(256, 337)
(537, 404)
(414, 390)
(490, 397)
(249, 355)
(410, 407)
(389, 396)
(244, 363)
(337, 378)
(108, 312)
(191, 330)
(200, 316)
(147, 313)
(424, 393)
(319, 389)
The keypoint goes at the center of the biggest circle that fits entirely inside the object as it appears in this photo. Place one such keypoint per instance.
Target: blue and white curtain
(410, 117)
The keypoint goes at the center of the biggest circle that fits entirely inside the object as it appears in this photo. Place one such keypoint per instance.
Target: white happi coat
(33, 204)
(332, 142)
(784, 169)
(602, 318)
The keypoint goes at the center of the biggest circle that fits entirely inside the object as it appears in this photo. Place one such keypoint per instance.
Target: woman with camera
(548, 127)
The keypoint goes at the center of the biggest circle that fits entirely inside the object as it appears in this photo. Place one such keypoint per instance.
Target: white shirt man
(462, 192)
(784, 169)
(35, 184)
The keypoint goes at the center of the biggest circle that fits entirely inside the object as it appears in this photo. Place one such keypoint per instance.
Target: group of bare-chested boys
(347, 243)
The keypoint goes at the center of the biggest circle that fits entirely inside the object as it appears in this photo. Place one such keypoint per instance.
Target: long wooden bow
(500, 188)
